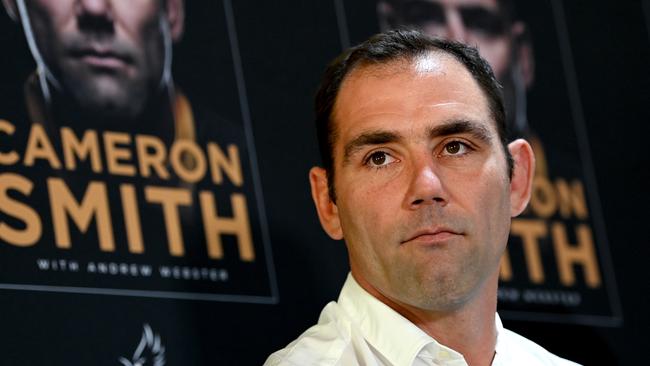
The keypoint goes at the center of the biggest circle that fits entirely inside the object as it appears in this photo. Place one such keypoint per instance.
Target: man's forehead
(433, 61)
(433, 80)
(428, 63)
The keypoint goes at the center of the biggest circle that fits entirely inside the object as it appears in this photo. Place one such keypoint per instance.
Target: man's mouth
(433, 236)
(101, 58)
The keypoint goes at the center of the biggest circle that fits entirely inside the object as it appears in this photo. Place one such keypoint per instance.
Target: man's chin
(109, 107)
(110, 95)
(444, 292)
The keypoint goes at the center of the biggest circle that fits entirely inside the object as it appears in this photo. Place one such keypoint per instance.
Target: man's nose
(95, 16)
(94, 7)
(455, 27)
(425, 186)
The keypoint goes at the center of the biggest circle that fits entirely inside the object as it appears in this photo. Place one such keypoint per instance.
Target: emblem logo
(150, 351)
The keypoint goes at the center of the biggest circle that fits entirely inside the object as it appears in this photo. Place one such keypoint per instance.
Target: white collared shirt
(361, 330)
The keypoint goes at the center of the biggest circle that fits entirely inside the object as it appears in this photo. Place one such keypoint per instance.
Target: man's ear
(175, 13)
(10, 8)
(523, 171)
(328, 213)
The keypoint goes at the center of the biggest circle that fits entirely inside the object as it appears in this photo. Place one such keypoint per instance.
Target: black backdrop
(278, 50)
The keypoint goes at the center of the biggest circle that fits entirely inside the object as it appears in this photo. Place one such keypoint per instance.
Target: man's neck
(469, 329)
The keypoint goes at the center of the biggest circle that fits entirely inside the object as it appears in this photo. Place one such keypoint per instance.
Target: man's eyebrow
(462, 126)
(368, 138)
(452, 127)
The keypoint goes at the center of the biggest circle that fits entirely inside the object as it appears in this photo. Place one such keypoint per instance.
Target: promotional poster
(557, 266)
(117, 181)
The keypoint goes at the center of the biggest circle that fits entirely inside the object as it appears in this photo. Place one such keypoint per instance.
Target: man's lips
(432, 237)
(101, 58)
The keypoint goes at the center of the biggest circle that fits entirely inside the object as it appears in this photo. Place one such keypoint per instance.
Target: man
(489, 25)
(420, 183)
(104, 64)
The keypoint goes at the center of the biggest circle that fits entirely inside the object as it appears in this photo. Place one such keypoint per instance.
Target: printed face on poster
(127, 163)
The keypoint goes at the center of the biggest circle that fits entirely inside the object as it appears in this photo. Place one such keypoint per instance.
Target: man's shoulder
(325, 343)
(522, 351)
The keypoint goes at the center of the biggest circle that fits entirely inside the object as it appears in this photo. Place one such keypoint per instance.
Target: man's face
(423, 193)
(107, 54)
(477, 23)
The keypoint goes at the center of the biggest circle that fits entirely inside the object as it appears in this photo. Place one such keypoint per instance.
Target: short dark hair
(395, 45)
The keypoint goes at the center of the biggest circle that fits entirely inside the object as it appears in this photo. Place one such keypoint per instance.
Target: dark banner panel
(154, 197)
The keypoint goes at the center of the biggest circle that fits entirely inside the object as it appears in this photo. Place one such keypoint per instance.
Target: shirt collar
(502, 355)
(499, 327)
(392, 335)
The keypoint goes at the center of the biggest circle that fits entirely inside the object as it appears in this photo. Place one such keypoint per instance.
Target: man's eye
(379, 159)
(455, 148)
